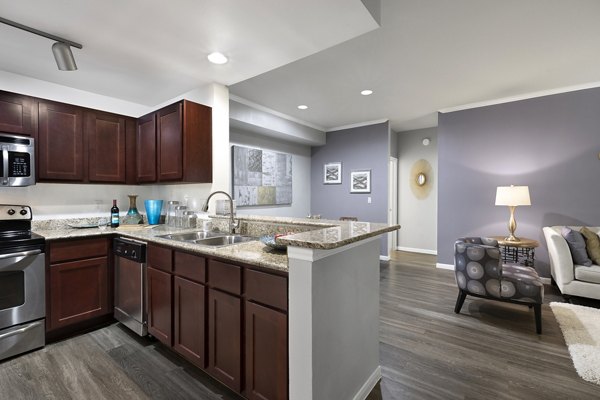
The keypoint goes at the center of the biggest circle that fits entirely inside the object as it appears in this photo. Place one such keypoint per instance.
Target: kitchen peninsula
(332, 270)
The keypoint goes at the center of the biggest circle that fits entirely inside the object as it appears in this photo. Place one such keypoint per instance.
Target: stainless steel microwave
(18, 160)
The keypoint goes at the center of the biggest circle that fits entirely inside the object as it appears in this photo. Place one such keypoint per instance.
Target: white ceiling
(426, 56)
(434, 54)
(149, 51)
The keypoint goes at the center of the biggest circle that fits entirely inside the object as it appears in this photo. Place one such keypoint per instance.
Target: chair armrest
(561, 262)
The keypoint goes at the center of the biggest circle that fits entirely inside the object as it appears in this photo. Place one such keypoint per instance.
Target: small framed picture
(360, 181)
(332, 173)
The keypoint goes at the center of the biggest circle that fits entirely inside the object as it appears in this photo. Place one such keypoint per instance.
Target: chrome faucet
(232, 224)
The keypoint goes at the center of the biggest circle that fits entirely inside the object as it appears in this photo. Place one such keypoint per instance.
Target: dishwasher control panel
(130, 249)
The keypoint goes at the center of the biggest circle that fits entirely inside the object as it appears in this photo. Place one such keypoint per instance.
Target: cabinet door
(159, 305)
(60, 143)
(105, 134)
(146, 148)
(16, 114)
(189, 307)
(224, 338)
(170, 143)
(266, 353)
(78, 291)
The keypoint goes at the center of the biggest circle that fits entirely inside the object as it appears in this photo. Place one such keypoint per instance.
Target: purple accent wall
(549, 143)
(365, 147)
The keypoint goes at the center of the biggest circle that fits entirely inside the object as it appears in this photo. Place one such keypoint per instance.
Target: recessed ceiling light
(366, 92)
(217, 58)
(302, 107)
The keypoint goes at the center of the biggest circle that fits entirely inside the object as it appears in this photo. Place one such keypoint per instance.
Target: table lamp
(512, 196)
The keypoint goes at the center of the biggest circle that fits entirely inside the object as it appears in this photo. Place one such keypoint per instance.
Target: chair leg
(537, 309)
(460, 300)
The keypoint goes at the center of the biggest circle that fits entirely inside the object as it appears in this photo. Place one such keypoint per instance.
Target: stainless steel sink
(211, 239)
(224, 240)
(191, 236)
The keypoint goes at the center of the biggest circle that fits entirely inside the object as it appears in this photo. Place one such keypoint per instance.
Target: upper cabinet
(106, 136)
(17, 114)
(80, 145)
(60, 142)
(175, 144)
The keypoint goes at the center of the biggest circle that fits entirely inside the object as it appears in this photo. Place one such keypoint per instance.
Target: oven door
(22, 287)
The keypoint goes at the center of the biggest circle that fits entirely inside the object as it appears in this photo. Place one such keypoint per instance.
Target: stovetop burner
(15, 229)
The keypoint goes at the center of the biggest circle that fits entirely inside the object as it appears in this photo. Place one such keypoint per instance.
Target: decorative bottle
(132, 217)
(114, 215)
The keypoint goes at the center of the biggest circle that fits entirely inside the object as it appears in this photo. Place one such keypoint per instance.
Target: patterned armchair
(479, 272)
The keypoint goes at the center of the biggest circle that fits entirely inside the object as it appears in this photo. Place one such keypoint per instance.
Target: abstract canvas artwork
(261, 177)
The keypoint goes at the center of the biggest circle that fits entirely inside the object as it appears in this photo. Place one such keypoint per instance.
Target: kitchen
(70, 127)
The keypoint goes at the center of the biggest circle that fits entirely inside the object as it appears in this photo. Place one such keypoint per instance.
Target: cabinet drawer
(190, 266)
(225, 276)
(78, 249)
(266, 288)
(160, 258)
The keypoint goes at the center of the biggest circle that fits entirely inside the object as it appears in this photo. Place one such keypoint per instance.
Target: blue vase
(133, 216)
(153, 208)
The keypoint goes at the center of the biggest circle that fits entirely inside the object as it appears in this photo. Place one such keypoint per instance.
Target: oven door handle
(20, 254)
(5, 168)
(20, 330)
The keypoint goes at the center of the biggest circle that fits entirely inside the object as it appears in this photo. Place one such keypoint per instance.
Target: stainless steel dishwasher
(130, 284)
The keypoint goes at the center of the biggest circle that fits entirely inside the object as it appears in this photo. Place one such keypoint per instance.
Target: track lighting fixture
(61, 49)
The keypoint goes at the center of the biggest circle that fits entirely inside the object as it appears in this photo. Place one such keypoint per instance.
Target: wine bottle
(114, 215)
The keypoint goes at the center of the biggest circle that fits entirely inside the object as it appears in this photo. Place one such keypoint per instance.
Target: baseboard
(416, 250)
(444, 266)
(384, 258)
(368, 386)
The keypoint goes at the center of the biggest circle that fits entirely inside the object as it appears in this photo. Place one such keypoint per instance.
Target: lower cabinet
(159, 286)
(266, 352)
(228, 319)
(224, 338)
(189, 307)
(79, 282)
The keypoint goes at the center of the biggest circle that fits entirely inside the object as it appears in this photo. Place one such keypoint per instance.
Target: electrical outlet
(369, 199)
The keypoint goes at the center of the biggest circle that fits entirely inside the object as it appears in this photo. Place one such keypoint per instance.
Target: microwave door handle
(4, 166)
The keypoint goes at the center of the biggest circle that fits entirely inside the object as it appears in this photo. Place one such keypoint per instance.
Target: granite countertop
(327, 234)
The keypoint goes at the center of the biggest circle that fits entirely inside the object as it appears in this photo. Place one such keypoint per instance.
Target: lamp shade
(513, 196)
(64, 57)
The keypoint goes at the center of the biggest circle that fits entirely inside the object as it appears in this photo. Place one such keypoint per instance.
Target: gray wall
(364, 147)
(549, 143)
(417, 217)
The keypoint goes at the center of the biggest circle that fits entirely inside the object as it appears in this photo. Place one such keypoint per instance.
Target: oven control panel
(14, 212)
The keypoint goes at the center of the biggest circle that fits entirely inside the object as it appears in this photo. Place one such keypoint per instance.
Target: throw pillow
(592, 244)
(576, 244)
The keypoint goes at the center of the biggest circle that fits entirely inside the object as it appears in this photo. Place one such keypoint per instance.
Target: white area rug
(581, 328)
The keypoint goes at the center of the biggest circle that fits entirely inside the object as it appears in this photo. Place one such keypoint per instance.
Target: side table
(521, 252)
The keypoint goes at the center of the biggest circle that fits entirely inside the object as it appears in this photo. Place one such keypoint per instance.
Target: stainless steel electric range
(22, 283)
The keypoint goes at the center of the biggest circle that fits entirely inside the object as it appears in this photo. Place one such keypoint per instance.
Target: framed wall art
(332, 173)
(261, 177)
(360, 181)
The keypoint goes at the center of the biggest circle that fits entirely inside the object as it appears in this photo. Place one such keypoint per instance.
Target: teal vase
(133, 216)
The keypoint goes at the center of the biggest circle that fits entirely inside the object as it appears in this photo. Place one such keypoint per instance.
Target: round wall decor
(421, 179)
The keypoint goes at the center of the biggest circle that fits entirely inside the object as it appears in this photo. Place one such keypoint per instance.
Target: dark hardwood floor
(489, 350)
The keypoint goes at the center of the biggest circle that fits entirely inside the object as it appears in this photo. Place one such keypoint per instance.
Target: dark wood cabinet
(106, 137)
(17, 114)
(175, 144)
(224, 338)
(79, 282)
(189, 305)
(61, 155)
(160, 293)
(266, 350)
(146, 148)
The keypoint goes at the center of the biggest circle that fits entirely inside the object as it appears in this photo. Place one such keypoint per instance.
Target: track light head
(64, 57)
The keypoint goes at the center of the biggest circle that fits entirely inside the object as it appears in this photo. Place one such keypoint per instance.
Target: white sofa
(571, 279)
